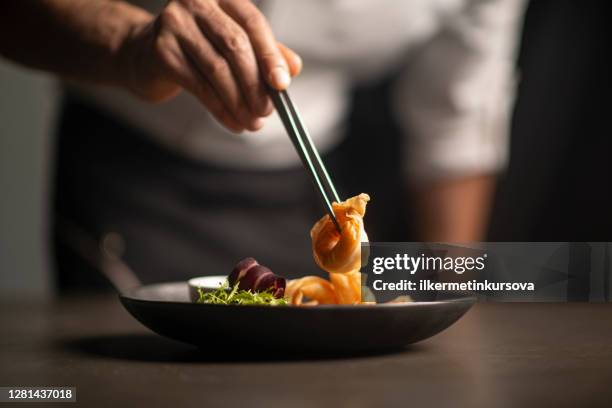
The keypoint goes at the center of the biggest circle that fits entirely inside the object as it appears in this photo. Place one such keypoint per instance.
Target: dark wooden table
(498, 355)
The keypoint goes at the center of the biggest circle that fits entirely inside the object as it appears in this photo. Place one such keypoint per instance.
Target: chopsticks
(306, 150)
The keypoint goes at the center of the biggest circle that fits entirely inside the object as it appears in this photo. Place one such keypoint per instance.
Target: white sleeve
(454, 100)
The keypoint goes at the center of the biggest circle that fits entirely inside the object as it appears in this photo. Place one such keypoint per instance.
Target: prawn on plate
(339, 254)
(317, 290)
(347, 287)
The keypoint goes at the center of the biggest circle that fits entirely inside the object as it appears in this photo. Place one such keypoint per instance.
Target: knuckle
(218, 67)
(253, 21)
(161, 47)
(190, 4)
(169, 18)
(206, 9)
(236, 42)
(271, 60)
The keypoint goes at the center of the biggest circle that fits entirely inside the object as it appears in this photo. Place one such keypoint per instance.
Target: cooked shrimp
(347, 287)
(337, 252)
(318, 290)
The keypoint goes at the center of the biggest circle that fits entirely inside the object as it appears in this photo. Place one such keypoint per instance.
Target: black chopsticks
(306, 150)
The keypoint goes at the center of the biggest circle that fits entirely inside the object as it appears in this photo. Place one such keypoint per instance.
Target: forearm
(454, 210)
(78, 39)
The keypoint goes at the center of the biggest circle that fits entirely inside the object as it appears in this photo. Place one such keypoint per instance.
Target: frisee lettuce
(234, 296)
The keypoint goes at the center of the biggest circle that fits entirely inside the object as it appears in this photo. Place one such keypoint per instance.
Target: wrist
(454, 210)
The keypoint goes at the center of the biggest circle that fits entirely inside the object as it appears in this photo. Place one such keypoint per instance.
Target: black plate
(166, 309)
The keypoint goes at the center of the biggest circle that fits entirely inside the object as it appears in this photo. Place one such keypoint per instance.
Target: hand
(221, 51)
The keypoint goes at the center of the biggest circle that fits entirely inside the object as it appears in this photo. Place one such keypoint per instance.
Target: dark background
(558, 184)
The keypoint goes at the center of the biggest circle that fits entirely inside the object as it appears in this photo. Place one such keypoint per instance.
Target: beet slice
(250, 275)
(240, 270)
(275, 283)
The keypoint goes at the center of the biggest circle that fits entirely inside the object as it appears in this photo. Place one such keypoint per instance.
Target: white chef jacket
(453, 99)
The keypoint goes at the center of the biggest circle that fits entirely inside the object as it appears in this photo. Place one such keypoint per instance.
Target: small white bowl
(206, 283)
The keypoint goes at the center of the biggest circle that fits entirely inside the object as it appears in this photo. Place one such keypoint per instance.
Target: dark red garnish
(250, 275)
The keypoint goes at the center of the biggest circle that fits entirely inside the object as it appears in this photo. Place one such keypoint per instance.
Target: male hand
(222, 51)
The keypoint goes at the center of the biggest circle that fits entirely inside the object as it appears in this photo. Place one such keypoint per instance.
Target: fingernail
(280, 77)
(298, 61)
(253, 125)
(258, 123)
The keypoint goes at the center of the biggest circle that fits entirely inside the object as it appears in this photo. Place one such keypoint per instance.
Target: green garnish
(224, 296)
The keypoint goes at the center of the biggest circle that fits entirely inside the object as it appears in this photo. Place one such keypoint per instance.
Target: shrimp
(347, 287)
(318, 290)
(344, 289)
(337, 252)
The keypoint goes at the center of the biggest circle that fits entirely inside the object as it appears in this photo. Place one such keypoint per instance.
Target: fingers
(216, 69)
(274, 67)
(235, 45)
(228, 46)
(175, 63)
(294, 60)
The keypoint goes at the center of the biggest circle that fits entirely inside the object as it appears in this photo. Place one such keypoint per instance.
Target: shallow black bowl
(166, 309)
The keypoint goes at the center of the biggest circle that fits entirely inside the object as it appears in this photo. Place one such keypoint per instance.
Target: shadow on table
(152, 348)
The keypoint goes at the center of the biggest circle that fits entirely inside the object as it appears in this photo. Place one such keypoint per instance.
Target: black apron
(177, 218)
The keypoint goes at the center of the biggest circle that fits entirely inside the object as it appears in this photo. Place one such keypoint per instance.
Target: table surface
(498, 355)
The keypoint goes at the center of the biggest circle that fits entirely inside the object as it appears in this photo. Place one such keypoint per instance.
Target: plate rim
(129, 296)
